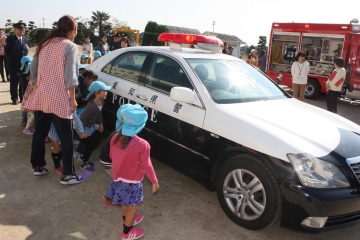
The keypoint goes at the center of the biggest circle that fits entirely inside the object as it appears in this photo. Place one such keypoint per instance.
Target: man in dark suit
(16, 47)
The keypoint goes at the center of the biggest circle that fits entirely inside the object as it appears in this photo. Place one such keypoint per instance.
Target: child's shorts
(89, 131)
(53, 134)
(129, 194)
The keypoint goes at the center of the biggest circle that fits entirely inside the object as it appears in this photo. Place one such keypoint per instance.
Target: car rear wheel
(248, 192)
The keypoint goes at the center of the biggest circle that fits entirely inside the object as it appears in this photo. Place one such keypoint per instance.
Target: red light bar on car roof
(204, 42)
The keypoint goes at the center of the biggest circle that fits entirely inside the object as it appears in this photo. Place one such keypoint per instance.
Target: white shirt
(299, 72)
(87, 48)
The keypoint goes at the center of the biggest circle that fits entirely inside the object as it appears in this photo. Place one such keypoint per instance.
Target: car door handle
(141, 97)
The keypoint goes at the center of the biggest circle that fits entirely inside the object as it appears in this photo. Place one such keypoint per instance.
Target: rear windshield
(232, 81)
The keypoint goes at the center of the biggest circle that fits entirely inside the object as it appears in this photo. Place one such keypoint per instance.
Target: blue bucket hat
(84, 56)
(97, 54)
(96, 86)
(81, 66)
(26, 59)
(131, 119)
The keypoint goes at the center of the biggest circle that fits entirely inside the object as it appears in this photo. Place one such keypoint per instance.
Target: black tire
(264, 195)
(312, 89)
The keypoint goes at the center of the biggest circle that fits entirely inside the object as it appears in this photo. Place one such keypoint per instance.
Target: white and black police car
(221, 121)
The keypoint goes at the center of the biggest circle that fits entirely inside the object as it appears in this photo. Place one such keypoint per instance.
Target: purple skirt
(129, 194)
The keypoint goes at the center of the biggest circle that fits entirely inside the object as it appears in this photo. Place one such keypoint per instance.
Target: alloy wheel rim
(244, 194)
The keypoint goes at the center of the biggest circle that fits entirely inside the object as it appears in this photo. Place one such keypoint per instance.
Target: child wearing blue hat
(29, 87)
(92, 115)
(130, 156)
(84, 59)
(97, 55)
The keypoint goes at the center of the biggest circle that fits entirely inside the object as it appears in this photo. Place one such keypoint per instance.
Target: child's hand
(155, 188)
(82, 135)
(35, 86)
(101, 128)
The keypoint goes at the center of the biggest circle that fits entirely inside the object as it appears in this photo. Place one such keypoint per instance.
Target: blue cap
(84, 56)
(131, 119)
(96, 86)
(81, 66)
(97, 54)
(26, 59)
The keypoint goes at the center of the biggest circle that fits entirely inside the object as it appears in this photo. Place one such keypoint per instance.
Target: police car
(218, 119)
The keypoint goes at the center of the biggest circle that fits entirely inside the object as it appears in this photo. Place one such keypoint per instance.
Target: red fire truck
(321, 43)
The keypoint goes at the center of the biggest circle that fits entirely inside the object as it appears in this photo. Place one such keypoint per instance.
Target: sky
(246, 20)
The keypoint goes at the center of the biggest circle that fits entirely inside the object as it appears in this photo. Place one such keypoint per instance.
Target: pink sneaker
(134, 233)
(138, 219)
(28, 131)
(58, 171)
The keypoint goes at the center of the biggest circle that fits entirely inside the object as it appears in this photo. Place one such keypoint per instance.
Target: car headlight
(316, 173)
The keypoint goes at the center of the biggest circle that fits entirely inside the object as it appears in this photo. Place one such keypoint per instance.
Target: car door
(174, 129)
(123, 73)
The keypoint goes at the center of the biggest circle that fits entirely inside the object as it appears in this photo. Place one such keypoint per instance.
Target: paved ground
(41, 208)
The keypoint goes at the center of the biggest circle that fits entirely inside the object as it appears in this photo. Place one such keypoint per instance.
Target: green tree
(81, 34)
(149, 33)
(262, 44)
(30, 31)
(9, 27)
(158, 30)
(99, 22)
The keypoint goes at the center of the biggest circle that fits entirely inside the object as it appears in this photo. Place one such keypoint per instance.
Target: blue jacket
(14, 51)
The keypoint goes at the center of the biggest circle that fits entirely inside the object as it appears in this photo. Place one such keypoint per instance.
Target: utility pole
(213, 26)
(43, 22)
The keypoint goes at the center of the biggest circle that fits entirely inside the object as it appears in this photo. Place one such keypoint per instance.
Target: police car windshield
(230, 81)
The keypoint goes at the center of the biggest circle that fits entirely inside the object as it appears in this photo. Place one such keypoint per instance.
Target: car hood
(278, 127)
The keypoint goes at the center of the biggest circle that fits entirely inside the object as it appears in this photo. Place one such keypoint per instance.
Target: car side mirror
(182, 94)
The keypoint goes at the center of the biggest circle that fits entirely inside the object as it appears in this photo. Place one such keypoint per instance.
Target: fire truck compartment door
(354, 55)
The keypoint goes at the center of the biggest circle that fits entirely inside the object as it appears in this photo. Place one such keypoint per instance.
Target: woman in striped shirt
(334, 85)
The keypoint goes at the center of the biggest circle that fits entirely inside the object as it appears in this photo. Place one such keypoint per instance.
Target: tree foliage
(81, 34)
(100, 22)
(158, 30)
(262, 44)
(149, 33)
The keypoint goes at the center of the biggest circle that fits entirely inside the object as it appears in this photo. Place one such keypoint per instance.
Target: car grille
(335, 221)
(354, 164)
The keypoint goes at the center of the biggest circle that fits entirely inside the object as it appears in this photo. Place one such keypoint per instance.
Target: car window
(107, 68)
(230, 81)
(128, 66)
(165, 73)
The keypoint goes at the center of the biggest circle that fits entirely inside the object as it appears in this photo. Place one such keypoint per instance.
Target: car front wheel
(248, 192)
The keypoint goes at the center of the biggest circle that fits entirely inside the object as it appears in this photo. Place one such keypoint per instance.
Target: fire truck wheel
(312, 89)
(248, 192)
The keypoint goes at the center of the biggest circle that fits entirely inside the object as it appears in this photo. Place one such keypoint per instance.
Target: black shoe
(3, 80)
(40, 171)
(105, 163)
(87, 166)
(14, 103)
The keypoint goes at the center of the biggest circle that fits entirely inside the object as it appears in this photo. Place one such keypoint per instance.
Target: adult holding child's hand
(55, 71)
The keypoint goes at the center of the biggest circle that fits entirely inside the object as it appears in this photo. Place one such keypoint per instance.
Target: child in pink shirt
(130, 156)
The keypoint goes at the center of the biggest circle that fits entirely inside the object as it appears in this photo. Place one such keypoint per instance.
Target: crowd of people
(57, 93)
